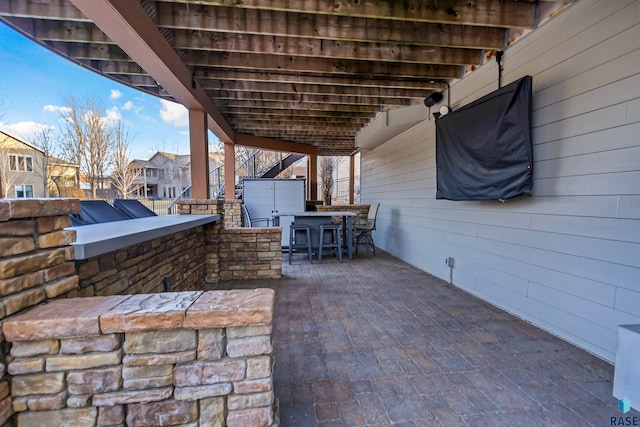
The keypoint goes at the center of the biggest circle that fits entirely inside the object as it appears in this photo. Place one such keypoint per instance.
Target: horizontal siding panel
(586, 185)
(613, 70)
(588, 335)
(557, 49)
(591, 269)
(601, 228)
(622, 160)
(607, 139)
(596, 99)
(629, 207)
(598, 249)
(628, 301)
(633, 111)
(498, 278)
(486, 217)
(599, 206)
(587, 310)
(598, 292)
(605, 118)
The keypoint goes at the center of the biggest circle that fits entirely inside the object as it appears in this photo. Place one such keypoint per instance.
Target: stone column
(36, 263)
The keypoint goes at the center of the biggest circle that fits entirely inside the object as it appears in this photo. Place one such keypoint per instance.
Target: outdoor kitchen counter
(98, 239)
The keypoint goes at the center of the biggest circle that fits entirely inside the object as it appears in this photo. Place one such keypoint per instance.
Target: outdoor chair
(133, 208)
(250, 222)
(334, 232)
(363, 233)
(295, 230)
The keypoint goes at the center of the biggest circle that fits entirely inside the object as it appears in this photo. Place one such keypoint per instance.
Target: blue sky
(34, 81)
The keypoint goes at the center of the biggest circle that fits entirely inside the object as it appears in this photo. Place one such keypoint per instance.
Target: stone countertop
(98, 239)
(78, 317)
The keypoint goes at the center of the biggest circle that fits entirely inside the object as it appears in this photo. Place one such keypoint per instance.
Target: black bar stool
(294, 243)
(335, 241)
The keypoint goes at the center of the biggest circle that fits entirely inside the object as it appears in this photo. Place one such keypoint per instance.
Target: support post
(199, 145)
(312, 174)
(352, 171)
(229, 172)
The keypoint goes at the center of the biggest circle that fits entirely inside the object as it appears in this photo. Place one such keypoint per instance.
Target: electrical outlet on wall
(448, 261)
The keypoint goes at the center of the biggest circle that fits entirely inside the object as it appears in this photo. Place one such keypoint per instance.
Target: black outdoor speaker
(433, 99)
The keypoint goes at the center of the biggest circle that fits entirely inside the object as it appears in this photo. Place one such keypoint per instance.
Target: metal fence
(159, 206)
(341, 191)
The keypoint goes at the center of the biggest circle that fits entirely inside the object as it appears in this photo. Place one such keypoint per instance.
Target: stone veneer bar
(99, 239)
(186, 358)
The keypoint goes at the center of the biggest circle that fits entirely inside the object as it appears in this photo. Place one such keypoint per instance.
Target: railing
(340, 193)
(158, 206)
(216, 184)
(254, 166)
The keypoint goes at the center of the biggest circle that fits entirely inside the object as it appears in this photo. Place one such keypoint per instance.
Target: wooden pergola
(300, 76)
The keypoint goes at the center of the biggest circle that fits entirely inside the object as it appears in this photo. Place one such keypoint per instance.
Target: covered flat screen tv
(484, 149)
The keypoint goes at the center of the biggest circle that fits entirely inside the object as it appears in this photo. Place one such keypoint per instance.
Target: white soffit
(389, 124)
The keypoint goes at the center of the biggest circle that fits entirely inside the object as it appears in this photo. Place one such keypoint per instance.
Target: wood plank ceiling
(310, 72)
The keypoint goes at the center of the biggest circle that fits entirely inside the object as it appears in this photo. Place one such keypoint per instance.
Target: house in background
(21, 168)
(63, 178)
(166, 175)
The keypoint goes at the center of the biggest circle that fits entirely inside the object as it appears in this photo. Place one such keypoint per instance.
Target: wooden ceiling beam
(119, 67)
(58, 10)
(252, 117)
(496, 13)
(322, 48)
(130, 27)
(68, 31)
(326, 27)
(309, 106)
(209, 78)
(293, 64)
(222, 96)
(293, 129)
(254, 141)
(103, 52)
(236, 111)
(313, 89)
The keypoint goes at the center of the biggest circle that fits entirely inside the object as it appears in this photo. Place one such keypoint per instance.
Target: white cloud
(128, 106)
(113, 115)
(174, 114)
(56, 109)
(24, 130)
(115, 94)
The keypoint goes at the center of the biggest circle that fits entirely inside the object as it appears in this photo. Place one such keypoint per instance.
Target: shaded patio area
(377, 342)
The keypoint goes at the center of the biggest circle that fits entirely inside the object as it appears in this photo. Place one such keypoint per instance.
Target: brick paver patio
(376, 342)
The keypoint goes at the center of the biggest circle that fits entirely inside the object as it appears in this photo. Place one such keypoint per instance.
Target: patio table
(315, 218)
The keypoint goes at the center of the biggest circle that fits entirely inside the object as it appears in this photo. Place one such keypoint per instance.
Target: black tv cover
(484, 149)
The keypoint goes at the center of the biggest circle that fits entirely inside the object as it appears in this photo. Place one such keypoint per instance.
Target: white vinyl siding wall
(568, 258)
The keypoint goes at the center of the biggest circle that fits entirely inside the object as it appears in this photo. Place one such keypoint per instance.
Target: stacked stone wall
(180, 261)
(36, 264)
(242, 252)
(189, 358)
(250, 253)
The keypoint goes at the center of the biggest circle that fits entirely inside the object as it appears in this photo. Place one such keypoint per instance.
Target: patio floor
(377, 342)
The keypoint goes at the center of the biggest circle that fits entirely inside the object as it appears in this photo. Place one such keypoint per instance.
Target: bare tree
(86, 138)
(43, 139)
(124, 174)
(327, 166)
